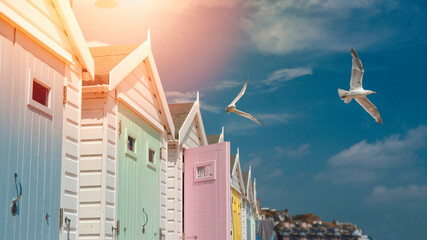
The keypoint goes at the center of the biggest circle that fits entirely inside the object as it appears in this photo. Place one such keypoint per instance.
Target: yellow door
(237, 218)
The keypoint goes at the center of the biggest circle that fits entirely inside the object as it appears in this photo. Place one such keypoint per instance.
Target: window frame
(207, 177)
(45, 82)
(133, 135)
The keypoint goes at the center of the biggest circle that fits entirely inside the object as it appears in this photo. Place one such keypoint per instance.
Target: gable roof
(18, 13)
(216, 138)
(212, 139)
(245, 175)
(106, 58)
(232, 162)
(183, 114)
(112, 76)
(179, 112)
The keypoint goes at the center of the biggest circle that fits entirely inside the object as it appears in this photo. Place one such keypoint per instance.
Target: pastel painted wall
(207, 192)
(237, 215)
(138, 178)
(31, 137)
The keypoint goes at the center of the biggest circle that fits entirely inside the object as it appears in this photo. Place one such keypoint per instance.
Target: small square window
(151, 156)
(40, 93)
(131, 144)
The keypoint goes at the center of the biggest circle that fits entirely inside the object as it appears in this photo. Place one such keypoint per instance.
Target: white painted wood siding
(174, 193)
(163, 184)
(71, 152)
(192, 138)
(136, 90)
(98, 166)
(42, 15)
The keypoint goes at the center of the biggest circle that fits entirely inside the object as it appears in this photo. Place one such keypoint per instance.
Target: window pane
(200, 172)
(131, 144)
(151, 155)
(40, 94)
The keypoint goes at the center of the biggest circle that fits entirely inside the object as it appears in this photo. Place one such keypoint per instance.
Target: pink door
(207, 192)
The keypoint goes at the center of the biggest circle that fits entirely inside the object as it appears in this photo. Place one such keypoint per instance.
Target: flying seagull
(232, 106)
(356, 90)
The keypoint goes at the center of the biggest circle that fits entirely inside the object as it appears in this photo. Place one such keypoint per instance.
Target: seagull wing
(356, 71)
(370, 108)
(247, 115)
(240, 94)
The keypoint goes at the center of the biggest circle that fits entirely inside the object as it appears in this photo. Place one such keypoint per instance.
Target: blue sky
(316, 153)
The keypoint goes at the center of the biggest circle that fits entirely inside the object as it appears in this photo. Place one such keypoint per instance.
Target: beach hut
(125, 127)
(44, 58)
(237, 193)
(207, 200)
(189, 133)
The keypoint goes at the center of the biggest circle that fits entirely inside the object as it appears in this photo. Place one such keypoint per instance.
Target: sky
(314, 152)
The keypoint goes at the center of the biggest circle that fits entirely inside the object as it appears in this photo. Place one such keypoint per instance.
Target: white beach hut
(189, 133)
(44, 58)
(126, 124)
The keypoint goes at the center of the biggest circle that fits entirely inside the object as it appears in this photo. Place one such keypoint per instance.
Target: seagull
(356, 90)
(232, 106)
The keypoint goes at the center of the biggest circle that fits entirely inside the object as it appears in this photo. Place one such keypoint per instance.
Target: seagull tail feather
(343, 95)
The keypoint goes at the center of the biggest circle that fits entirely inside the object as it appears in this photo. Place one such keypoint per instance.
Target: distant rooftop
(212, 139)
(179, 112)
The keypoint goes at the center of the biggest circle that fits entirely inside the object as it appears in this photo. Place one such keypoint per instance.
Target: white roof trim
(194, 112)
(238, 173)
(46, 41)
(129, 63)
(75, 34)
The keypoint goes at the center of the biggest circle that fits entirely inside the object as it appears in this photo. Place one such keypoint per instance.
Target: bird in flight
(356, 90)
(232, 106)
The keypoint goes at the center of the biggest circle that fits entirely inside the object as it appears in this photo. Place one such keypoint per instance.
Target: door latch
(117, 228)
(14, 207)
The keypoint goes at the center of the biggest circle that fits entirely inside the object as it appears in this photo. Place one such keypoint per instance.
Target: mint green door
(138, 178)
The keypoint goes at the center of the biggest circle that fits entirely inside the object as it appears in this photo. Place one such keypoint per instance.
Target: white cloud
(365, 162)
(290, 25)
(224, 84)
(210, 108)
(410, 193)
(294, 152)
(286, 74)
(181, 97)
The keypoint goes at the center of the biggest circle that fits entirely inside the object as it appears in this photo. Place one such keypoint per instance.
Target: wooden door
(138, 178)
(31, 120)
(237, 218)
(207, 192)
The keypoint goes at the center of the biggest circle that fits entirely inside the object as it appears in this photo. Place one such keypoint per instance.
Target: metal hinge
(120, 127)
(64, 95)
(61, 217)
(183, 167)
(117, 228)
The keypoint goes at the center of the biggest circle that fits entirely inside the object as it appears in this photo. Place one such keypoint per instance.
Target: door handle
(146, 220)
(14, 207)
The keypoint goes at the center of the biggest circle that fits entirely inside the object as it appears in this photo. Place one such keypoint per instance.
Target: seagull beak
(373, 92)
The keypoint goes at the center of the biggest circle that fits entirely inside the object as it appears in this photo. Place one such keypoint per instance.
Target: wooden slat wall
(163, 183)
(42, 15)
(110, 141)
(192, 139)
(137, 88)
(174, 193)
(71, 153)
(31, 142)
(91, 163)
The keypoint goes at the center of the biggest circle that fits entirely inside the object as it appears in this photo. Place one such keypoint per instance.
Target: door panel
(207, 192)
(237, 219)
(31, 145)
(138, 178)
